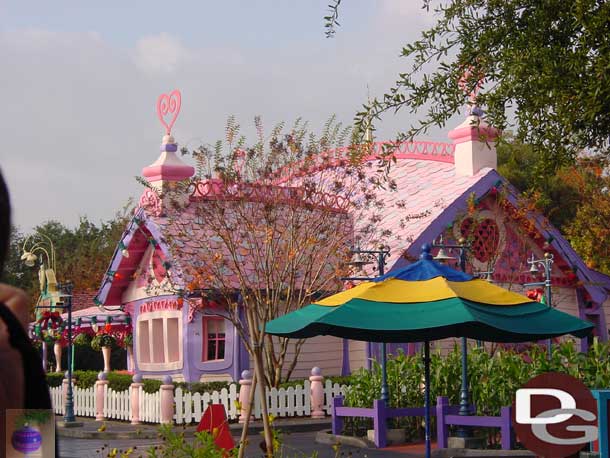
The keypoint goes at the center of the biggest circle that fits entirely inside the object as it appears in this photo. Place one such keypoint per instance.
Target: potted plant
(104, 341)
(27, 438)
(128, 344)
(53, 337)
(83, 339)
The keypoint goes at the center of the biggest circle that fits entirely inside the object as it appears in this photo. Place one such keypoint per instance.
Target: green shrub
(151, 386)
(342, 379)
(203, 387)
(493, 377)
(54, 379)
(119, 382)
(85, 379)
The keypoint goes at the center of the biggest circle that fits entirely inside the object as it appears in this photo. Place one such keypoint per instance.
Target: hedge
(121, 382)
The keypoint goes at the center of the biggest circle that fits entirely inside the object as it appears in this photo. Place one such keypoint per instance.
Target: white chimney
(475, 146)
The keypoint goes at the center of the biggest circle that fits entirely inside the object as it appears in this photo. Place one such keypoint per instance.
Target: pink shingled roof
(425, 189)
(200, 246)
(429, 196)
(426, 186)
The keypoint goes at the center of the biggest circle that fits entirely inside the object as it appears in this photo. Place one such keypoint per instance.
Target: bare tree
(265, 230)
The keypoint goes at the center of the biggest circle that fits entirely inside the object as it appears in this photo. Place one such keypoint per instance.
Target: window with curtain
(158, 340)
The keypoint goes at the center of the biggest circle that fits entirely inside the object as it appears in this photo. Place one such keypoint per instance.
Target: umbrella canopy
(428, 301)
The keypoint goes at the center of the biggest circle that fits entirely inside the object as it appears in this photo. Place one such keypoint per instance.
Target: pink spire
(168, 167)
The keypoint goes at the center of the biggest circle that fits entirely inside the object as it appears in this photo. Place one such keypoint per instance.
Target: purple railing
(445, 415)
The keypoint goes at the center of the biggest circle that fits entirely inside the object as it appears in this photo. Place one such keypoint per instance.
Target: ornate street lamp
(546, 263)
(362, 258)
(43, 245)
(66, 294)
(60, 292)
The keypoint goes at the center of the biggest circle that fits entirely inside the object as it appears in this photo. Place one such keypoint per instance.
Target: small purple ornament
(26, 440)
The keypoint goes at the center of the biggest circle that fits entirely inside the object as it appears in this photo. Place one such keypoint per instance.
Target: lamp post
(546, 263)
(381, 254)
(67, 288)
(46, 273)
(462, 431)
(48, 284)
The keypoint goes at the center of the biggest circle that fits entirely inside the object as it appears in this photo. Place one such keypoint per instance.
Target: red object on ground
(214, 421)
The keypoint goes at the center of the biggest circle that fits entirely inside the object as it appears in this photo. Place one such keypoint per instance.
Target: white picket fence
(283, 402)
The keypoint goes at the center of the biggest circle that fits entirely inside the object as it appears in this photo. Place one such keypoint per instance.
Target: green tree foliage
(550, 193)
(575, 198)
(589, 230)
(543, 66)
(82, 252)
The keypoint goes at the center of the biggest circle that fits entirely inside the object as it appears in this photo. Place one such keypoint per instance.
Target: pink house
(443, 189)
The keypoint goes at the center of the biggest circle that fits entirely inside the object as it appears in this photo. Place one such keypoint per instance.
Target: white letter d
(523, 405)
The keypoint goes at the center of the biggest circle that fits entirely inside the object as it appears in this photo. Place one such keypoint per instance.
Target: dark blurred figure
(22, 380)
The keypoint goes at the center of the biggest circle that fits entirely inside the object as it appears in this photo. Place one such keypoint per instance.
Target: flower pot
(106, 354)
(57, 348)
(26, 440)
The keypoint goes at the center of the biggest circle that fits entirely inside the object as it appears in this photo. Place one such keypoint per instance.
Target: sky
(80, 82)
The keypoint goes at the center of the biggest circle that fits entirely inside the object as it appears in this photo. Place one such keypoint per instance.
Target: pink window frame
(205, 321)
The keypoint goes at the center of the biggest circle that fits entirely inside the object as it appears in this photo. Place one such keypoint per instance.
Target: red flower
(108, 327)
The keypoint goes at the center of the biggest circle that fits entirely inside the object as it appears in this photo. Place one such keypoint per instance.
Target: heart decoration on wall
(168, 108)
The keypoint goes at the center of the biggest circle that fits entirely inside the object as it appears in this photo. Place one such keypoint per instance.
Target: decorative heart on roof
(168, 108)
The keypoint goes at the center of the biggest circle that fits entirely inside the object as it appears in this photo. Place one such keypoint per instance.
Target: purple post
(442, 429)
(379, 422)
(337, 421)
(506, 429)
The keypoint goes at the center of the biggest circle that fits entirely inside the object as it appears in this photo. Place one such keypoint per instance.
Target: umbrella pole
(463, 431)
(385, 392)
(427, 395)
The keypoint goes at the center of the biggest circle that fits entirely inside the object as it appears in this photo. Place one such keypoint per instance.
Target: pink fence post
(245, 387)
(317, 393)
(100, 392)
(135, 398)
(167, 400)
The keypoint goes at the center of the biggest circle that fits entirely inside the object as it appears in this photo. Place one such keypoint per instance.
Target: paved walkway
(296, 445)
(111, 429)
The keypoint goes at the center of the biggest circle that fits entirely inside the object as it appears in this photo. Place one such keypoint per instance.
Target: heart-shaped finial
(169, 104)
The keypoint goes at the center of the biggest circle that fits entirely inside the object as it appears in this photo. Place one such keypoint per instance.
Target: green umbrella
(428, 301)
